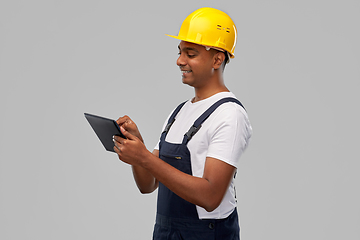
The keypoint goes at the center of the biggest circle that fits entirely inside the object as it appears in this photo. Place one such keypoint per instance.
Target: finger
(125, 125)
(118, 140)
(123, 120)
(127, 134)
(116, 148)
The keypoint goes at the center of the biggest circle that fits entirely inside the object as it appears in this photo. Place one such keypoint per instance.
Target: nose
(181, 60)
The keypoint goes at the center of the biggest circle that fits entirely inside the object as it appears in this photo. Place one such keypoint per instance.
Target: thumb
(127, 134)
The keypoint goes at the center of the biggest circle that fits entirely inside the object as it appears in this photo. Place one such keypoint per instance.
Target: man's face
(195, 62)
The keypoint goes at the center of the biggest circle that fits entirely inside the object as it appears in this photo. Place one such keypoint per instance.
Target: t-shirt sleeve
(229, 134)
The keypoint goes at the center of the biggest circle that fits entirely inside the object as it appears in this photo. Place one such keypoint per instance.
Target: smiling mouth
(184, 73)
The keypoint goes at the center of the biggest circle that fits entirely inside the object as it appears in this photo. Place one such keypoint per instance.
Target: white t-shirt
(224, 136)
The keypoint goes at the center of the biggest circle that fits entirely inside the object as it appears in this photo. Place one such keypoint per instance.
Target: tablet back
(105, 129)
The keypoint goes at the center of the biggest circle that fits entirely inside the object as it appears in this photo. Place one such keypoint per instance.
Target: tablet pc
(105, 129)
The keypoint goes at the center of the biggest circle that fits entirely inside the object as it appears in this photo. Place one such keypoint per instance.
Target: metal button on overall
(211, 226)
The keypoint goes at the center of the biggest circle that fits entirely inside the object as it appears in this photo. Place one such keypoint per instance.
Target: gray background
(296, 70)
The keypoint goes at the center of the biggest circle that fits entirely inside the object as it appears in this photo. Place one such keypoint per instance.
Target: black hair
(226, 60)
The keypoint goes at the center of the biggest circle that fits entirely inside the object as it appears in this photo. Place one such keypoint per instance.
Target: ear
(219, 58)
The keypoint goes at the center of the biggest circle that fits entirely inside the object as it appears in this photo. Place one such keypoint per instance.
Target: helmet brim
(187, 40)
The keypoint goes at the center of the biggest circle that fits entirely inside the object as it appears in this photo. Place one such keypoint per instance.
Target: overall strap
(197, 124)
(171, 120)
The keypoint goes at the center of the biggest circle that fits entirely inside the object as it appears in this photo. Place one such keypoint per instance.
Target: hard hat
(211, 28)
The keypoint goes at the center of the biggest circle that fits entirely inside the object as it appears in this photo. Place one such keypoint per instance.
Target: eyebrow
(188, 49)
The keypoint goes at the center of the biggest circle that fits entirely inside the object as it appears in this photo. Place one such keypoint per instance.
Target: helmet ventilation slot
(219, 27)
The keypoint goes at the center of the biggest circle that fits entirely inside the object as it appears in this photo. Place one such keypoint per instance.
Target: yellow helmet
(211, 28)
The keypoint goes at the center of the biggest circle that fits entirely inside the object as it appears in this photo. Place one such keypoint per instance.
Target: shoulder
(230, 111)
(230, 119)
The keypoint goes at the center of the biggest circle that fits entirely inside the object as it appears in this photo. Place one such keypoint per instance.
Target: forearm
(198, 191)
(148, 169)
(145, 181)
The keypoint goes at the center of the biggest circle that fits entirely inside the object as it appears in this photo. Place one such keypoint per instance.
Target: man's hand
(130, 150)
(129, 126)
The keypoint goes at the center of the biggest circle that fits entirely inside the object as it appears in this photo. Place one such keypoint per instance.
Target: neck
(209, 89)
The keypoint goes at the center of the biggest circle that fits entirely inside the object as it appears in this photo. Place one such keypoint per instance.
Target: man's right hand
(129, 126)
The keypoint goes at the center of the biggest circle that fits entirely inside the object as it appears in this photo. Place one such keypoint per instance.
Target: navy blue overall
(177, 218)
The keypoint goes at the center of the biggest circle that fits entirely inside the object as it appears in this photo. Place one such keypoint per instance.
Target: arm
(207, 191)
(145, 182)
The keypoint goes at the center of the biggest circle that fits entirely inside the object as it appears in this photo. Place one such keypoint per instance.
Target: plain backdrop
(297, 71)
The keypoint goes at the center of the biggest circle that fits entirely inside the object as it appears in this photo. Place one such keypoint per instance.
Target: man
(195, 172)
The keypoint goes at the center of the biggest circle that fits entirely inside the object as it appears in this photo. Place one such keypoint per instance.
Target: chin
(187, 81)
